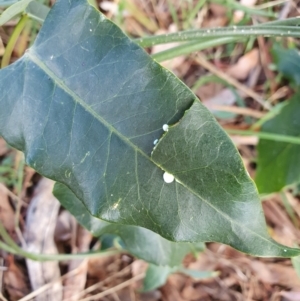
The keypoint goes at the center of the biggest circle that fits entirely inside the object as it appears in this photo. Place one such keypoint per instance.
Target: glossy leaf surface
(278, 162)
(287, 63)
(140, 242)
(85, 104)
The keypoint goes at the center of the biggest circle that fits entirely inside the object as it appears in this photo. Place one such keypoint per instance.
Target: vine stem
(12, 41)
(266, 136)
(10, 246)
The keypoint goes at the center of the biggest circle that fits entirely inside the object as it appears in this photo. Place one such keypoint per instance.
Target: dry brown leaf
(224, 98)
(6, 213)
(150, 296)
(170, 293)
(293, 202)
(291, 296)
(209, 90)
(3, 147)
(138, 267)
(276, 273)
(97, 267)
(177, 280)
(15, 280)
(283, 229)
(214, 22)
(39, 235)
(244, 65)
(218, 10)
(190, 292)
(74, 285)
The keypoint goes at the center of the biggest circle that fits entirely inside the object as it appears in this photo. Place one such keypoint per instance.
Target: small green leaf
(287, 61)
(85, 104)
(13, 11)
(198, 275)
(278, 162)
(37, 11)
(156, 276)
(296, 264)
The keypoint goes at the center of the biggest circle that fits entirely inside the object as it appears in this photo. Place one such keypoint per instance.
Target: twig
(270, 4)
(20, 163)
(115, 288)
(280, 93)
(1, 277)
(238, 110)
(12, 195)
(99, 284)
(48, 285)
(201, 60)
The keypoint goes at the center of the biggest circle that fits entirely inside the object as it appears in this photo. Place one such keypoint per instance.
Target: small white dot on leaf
(165, 127)
(168, 178)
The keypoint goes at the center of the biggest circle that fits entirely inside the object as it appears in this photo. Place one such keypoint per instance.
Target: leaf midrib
(60, 83)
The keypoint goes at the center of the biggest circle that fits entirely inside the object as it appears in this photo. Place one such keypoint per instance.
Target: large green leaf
(85, 104)
(140, 242)
(279, 162)
(287, 62)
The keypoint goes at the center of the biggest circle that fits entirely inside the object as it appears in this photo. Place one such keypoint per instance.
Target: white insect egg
(155, 141)
(165, 127)
(168, 178)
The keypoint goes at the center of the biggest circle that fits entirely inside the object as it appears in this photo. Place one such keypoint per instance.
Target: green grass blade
(188, 48)
(13, 11)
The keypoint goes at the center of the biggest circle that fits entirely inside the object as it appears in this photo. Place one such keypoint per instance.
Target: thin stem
(12, 41)
(190, 47)
(194, 12)
(288, 207)
(7, 248)
(201, 59)
(20, 164)
(266, 136)
(231, 31)
(49, 284)
(115, 288)
(15, 249)
(246, 9)
(286, 22)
